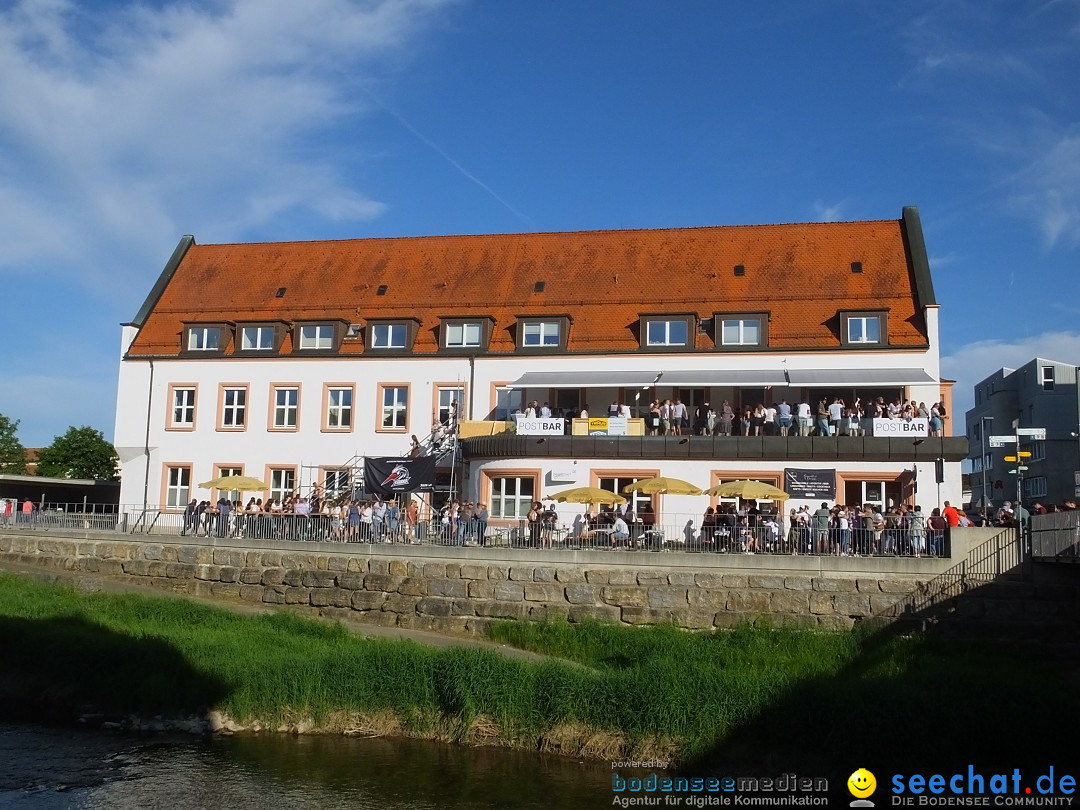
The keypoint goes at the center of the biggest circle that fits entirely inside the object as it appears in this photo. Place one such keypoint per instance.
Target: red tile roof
(801, 273)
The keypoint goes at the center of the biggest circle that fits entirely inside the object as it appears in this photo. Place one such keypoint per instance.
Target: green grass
(751, 693)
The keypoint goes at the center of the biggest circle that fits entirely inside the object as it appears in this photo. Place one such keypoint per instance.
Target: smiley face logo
(861, 783)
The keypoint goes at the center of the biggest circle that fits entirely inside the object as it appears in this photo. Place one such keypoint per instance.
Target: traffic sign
(1010, 458)
(1001, 441)
(1039, 434)
(1024, 454)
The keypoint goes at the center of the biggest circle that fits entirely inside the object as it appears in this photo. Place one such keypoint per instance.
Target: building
(1040, 394)
(290, 361)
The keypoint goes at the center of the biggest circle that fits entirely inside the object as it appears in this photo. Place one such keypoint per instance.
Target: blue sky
(125, 126)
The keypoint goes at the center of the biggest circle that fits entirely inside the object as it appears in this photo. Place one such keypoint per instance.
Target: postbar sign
(537, 426)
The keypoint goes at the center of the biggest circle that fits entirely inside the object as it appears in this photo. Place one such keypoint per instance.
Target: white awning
(586, 379)
(726, 377)
(858, 377)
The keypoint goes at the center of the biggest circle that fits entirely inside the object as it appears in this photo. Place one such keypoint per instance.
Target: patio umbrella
(662, 486)
(587, 495)
(239, 483)
(749, 490)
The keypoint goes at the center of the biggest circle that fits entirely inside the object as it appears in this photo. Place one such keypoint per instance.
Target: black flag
(388, 476)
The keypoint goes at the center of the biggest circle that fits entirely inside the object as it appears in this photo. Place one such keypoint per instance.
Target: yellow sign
(1024, 454)
(1010, 458)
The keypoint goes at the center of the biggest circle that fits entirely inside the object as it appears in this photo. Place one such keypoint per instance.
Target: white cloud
(128, 128)
(976, 361)
(824, 212)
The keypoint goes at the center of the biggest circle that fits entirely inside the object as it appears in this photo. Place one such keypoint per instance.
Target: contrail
(469, 175)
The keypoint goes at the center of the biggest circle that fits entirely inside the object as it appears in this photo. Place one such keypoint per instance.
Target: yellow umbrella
(749, 490)
(662, 486)
(238, 483)
(587, 495)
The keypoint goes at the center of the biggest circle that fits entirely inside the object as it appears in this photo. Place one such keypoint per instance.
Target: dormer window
(257, 338)
(389, 336)
(204, 339)
(667, 333)
(740, 330)
(540, 333)
(661, 332)
(316, 336)
(464, 335)
(864, 328)
(547, 333)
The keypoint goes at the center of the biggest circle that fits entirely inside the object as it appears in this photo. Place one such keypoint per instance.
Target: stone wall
(461, 590)
(409, 587)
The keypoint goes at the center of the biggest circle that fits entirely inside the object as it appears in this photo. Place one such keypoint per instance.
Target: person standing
(190, 517)
(822, 518)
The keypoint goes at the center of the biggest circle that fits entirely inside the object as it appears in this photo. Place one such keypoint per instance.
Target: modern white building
(289, 361)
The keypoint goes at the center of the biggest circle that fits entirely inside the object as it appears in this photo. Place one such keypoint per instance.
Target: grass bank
(620, 692)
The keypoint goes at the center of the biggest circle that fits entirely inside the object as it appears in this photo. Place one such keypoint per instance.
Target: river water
(42, 767)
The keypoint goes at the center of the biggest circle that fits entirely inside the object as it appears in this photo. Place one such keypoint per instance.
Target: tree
(12, 453)
(79, 453)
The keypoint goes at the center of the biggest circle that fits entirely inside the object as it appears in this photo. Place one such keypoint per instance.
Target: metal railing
(997, 558)
(1056, 536)
(675, 533)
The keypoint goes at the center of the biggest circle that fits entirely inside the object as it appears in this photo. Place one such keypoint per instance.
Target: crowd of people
(299, 518)
(832, 417)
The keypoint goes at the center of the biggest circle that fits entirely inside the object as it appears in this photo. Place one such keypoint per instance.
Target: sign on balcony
(537, 426)
(611, 426)
(916, 428)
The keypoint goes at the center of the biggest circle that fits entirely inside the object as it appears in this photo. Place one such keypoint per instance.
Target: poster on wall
(810, 484)
(387, 477)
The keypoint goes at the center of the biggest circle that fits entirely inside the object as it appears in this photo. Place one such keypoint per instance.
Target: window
(233, 407)
(505, 402)
(740, 332)
(864, 329)
(204, 339)
(512, 496)
(1037, 450)
(1035, 487)
(444, 397)
(177, 487)
(231, 495)
(339, 407)
(666, 333)
(394, 410)
(389, 335)
(1048, 378)
(257, 338)
(182, 407)
(336, 483)
(463, 335)
(282, 482)
(541, 333)
(286, 405)
(616, 483)
(317, 336)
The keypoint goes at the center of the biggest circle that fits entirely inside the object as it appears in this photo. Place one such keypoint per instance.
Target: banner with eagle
(389, 476)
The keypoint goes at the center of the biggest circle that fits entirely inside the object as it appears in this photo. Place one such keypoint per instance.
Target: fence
(740, 534)
(998, 557)
(1056, 536)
